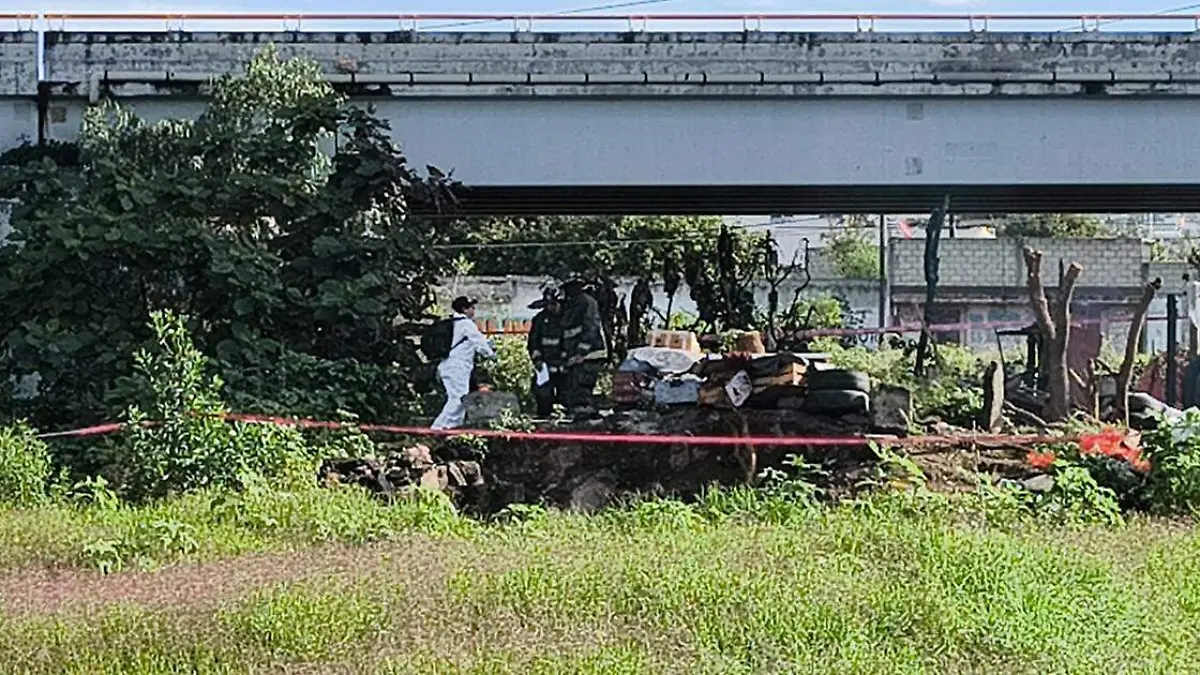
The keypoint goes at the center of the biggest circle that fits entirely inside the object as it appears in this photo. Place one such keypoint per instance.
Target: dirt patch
(44, 590)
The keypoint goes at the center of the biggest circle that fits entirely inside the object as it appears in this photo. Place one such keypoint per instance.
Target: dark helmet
(549, 295)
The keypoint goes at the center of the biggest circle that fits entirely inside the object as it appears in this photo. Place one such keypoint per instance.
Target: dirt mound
(585, 476)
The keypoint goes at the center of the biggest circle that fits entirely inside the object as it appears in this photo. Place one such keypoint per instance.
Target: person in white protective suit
(455, 370)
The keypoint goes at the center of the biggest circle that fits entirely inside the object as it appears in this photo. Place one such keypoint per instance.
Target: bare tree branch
(1125, 374)
(1037, 292)
(1055, 325)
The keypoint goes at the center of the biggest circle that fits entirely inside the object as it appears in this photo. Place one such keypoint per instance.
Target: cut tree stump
(992, 415)
(1054, 323)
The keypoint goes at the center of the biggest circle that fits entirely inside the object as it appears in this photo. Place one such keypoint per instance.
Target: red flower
(1041, 460)
(1140, 464)
(1107, 442)
(1112, 443)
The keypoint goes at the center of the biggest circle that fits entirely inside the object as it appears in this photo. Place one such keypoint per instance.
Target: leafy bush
(1173, 450)
(1070, 225)
(178, 440)
(665, 237)
(285, 255)
(1077, 499)
(24, 466)
(295, 384)
(511, 370)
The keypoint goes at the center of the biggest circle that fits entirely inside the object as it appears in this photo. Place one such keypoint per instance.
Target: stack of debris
(672, 371)
(410, 466)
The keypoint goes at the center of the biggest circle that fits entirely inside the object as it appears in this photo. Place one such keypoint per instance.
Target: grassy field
(328, 581)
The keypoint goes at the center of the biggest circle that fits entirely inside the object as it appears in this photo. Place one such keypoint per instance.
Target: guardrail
(630, 22)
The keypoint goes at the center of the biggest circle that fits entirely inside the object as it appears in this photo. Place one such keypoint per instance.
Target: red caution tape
(98, 430)
(639, 439)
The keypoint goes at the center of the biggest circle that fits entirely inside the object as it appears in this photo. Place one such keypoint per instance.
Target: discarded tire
(1142, 402)
(1142, 421)
(836, 402)
(838, 380)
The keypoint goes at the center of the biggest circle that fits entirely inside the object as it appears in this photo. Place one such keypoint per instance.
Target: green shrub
(511, 370)
(1077, 499)
(24, 466)
(181, 442)
(302, 385)
(1173, 485)
(854, 256)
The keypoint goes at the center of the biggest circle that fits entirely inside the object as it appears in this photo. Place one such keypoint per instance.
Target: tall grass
(738, 583)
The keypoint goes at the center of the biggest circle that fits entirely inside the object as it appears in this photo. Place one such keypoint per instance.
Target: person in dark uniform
(583, 345)
(546, 349)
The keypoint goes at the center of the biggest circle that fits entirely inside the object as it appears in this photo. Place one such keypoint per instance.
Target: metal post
(885, 291)
(953, 225)
(1172, 378)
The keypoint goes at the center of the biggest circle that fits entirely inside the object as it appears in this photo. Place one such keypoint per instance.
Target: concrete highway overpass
(703, 122)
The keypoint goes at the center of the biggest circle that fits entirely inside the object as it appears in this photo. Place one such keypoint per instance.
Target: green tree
(584, 243)
(720, 265)
(854, 256)
(1063, 225)
(283, 221)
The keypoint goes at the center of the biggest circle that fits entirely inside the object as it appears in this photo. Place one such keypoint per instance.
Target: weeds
(24, 467)
(180, 442)
(740, 581)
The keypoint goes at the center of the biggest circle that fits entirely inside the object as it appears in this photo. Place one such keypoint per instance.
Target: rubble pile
(669, 388)
(415, 465)
(586, 477)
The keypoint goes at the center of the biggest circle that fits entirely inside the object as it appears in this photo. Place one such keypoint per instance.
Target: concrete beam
(745, 59)
(828, 141)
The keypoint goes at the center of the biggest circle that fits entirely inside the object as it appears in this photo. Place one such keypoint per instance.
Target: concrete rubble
(411, 466)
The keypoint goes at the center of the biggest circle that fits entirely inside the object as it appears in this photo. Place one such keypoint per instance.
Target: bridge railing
(1059, 22)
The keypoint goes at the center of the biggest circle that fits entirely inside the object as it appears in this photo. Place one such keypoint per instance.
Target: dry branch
(1055, 326)
(1125, 374)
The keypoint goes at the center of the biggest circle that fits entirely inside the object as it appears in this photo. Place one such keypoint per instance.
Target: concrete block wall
(964, 262)
(1171, 273)
(18, 88)
(821, 265)
(18, 64)
(1107, 263)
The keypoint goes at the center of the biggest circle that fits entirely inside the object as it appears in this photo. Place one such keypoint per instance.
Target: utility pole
(885, 290)
(1172, 374)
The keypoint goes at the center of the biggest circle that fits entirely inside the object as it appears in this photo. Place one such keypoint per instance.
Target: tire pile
(837, 392)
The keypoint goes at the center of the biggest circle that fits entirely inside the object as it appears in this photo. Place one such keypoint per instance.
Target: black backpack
(436, 340)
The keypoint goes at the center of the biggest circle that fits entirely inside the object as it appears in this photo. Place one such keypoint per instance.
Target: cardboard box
(789, 375)
(675, 339)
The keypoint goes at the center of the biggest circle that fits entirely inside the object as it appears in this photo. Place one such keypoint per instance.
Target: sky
(641, 7)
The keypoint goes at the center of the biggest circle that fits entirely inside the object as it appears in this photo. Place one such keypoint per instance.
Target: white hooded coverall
(455, 371)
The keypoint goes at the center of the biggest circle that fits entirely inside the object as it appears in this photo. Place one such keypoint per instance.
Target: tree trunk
(1055, 326)
(933, 236)
(1125, 374)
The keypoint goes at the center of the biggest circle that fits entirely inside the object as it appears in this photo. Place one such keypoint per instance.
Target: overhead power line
(558, 244)
(1164, 12)
(564, 12)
